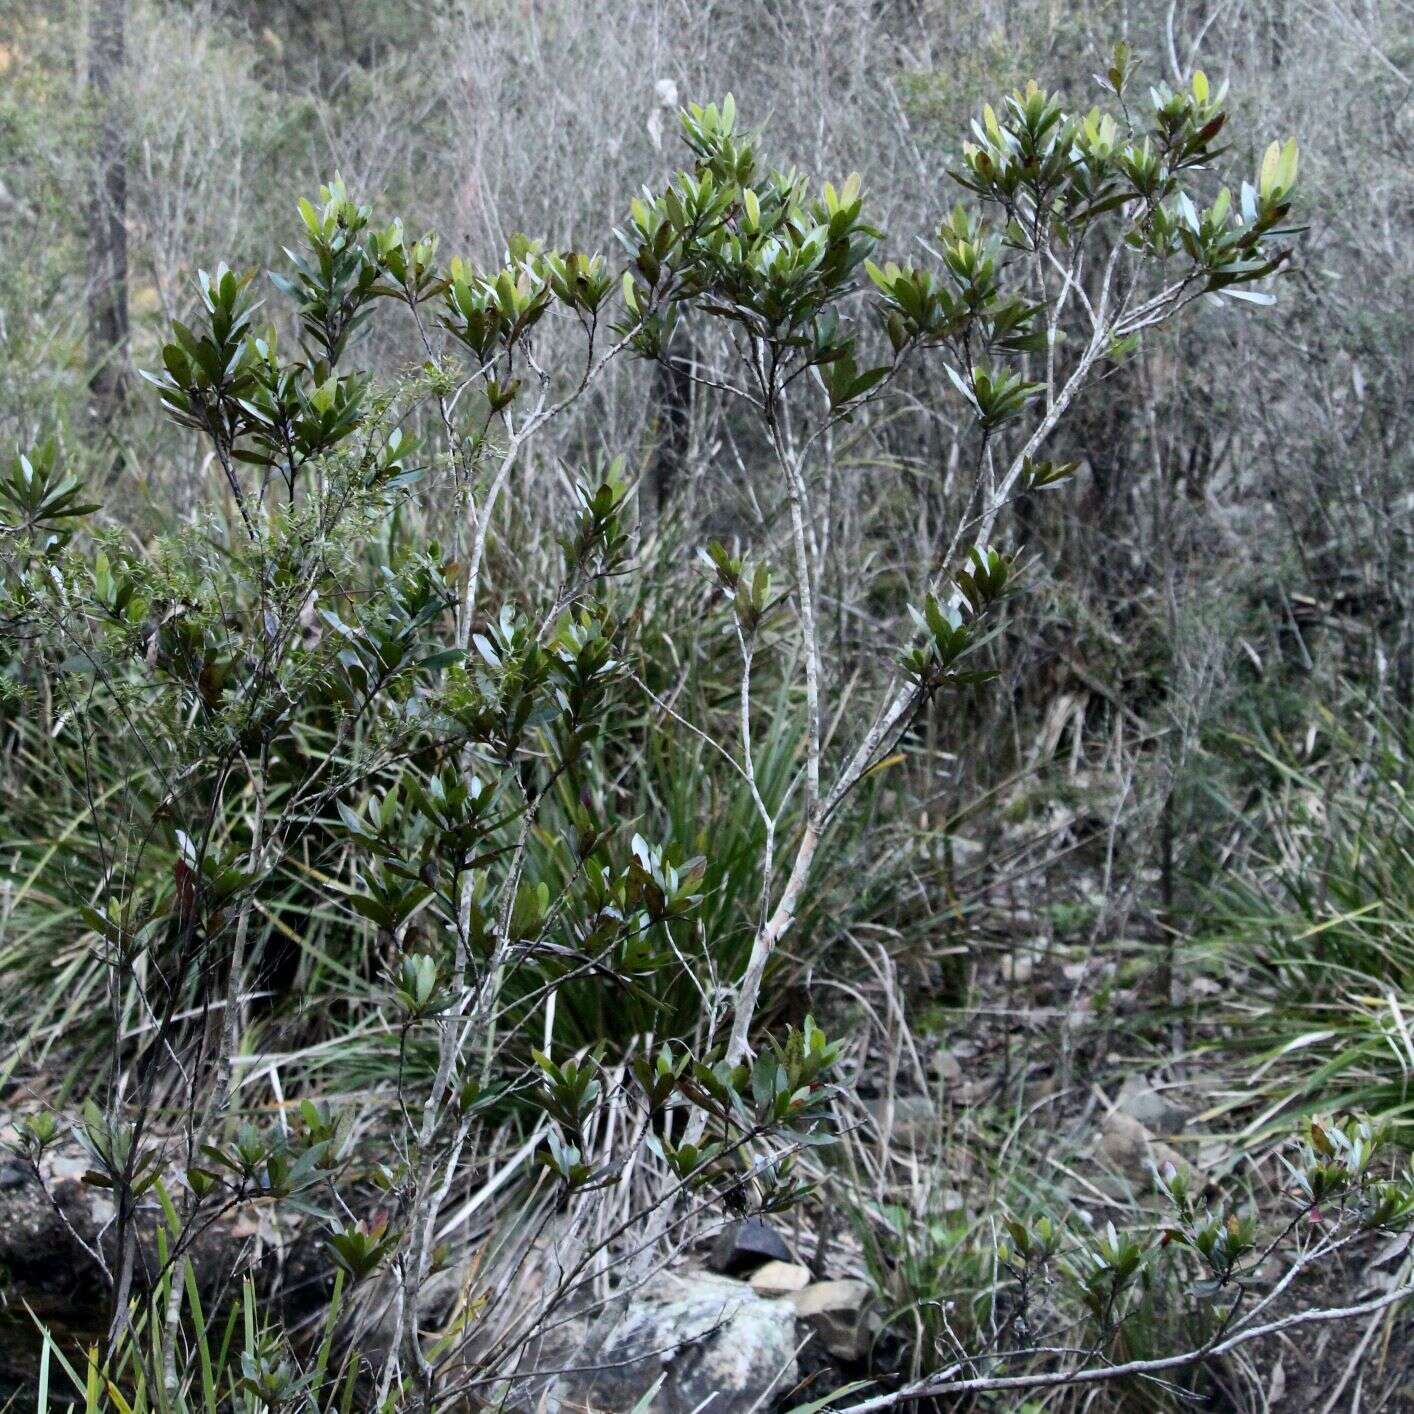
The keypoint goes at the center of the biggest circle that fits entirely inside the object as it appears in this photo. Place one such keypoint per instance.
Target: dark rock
(14, 1176)
(49, 1230)
(743, 1246)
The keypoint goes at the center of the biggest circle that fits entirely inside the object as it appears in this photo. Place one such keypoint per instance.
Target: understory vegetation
(653, 636)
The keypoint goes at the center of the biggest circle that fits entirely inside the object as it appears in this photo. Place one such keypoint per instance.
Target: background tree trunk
(108, 233)
(673, 393)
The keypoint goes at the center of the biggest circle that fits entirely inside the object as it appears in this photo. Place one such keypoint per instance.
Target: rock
(1216, 1157)
(778, 1278)
(965, 851)
(912, 1118)
(719, 1345)
(1016, 969)
(948, 1068)
(1128, 1148)
(743, 1246)
(49, 1224)
(38, 1252)
(969, 1093)
(373, 1311)
(1156, 1111)
(13, 1176)
(839, 1314)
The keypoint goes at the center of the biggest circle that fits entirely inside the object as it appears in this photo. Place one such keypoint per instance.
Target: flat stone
(819, 1297)
(913, 1117)
(778, 1278)
(839, 1313)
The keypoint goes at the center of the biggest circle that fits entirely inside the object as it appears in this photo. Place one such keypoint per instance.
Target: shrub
(304, 717)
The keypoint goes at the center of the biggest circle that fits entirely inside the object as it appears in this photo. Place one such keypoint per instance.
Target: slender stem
(1133, 1369)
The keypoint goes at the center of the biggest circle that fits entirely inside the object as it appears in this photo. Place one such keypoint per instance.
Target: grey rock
(1017, 969)
(48, 1226)
(1156, 1110)
(14, 1176)
(1129, 1149)
(711, 1338)
(970, 1092)
(965, 850)
(912, 1118)
(948, 1068)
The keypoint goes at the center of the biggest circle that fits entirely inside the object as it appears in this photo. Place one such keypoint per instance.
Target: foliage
(404, 801)
(1053, 1301)
(1320, 920)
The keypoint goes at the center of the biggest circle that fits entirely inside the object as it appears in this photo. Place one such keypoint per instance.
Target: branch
(928, 1389)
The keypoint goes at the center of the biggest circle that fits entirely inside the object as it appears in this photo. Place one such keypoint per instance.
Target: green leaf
(833, 1397)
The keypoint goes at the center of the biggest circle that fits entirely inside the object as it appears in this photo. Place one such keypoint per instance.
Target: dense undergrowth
(1319, 918)
(510, 766)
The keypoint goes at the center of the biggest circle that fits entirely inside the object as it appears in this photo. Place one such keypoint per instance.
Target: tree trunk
(108, 233)
(674, 395)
